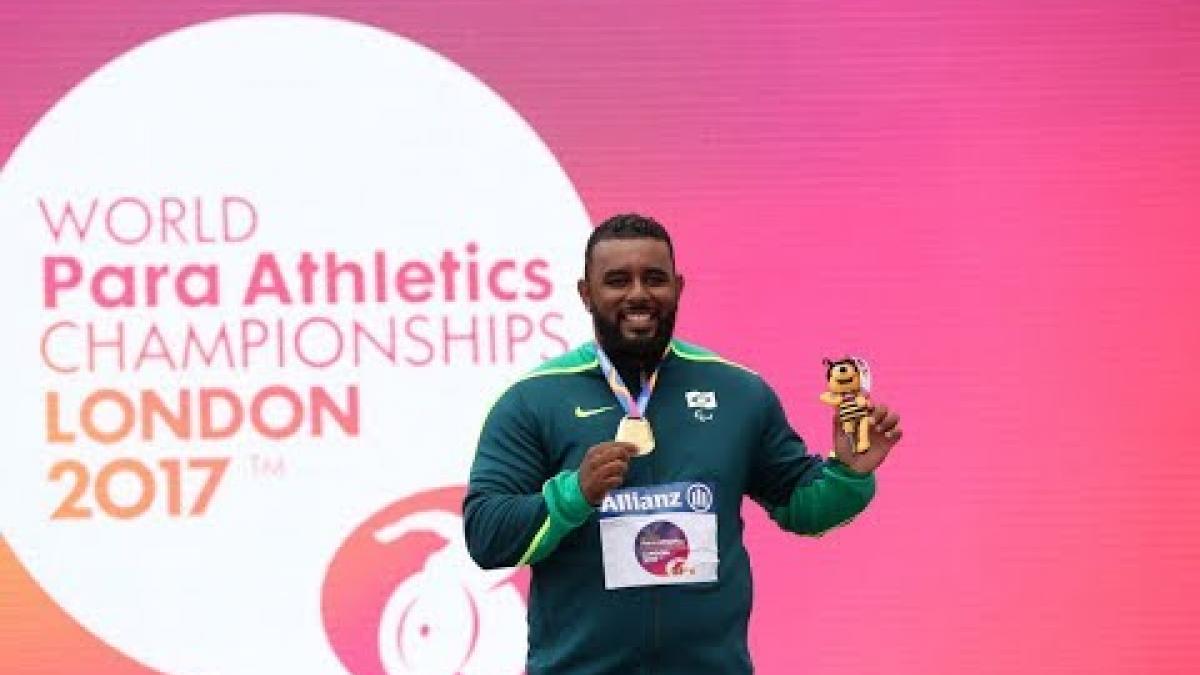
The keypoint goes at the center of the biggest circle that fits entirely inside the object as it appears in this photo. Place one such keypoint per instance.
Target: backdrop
(995, 203)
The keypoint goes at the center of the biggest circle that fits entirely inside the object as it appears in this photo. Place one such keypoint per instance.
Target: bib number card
(659, 535)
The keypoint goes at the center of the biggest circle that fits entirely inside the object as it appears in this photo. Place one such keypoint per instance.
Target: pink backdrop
(995, 202)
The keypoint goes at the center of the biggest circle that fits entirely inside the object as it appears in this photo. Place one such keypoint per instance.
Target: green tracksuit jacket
(720, 434)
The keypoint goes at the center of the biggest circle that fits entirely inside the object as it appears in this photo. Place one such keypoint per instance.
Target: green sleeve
(833, 499)
(517, 508)
(568, 509)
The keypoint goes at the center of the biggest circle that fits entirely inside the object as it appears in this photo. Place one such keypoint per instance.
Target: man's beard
(643, 351)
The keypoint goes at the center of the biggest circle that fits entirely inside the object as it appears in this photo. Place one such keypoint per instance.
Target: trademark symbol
(267, 466)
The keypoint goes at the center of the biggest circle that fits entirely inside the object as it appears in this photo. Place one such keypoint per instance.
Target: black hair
(626, 226)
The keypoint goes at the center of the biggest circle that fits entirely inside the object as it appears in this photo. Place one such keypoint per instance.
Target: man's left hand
(884, 433)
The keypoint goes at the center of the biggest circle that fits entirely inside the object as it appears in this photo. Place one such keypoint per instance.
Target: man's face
(632, 291)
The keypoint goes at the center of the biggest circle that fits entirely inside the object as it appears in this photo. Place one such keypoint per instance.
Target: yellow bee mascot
(849, 383)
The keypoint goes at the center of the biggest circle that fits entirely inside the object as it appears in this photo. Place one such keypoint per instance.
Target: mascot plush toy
(848, 383)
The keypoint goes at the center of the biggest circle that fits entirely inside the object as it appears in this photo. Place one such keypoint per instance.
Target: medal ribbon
(624, 397)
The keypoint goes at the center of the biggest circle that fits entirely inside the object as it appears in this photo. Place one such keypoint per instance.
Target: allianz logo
(696, 497)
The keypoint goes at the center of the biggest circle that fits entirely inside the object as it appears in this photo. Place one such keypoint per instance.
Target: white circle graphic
(699, 497)
(267, 274)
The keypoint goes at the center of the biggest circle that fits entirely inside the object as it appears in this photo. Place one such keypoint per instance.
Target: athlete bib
(659, 534)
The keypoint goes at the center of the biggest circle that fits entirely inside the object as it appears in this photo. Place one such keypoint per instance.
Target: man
(636, 543)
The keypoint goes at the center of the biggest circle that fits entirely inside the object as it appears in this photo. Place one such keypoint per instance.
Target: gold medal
(636, 430)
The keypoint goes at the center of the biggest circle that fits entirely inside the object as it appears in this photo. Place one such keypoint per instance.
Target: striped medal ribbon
(634, 427)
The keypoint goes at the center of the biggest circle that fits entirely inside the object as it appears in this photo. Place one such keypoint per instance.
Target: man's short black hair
(626, 226)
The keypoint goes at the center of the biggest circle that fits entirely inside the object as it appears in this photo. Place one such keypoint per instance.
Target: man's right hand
(603, 469)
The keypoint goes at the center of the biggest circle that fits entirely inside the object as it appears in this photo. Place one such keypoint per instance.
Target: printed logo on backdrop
(437, 611)
(267, 274)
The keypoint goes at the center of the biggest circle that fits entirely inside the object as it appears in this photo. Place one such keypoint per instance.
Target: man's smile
(639, 320)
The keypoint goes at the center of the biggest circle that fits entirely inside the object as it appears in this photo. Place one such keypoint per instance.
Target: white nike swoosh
(580, 412)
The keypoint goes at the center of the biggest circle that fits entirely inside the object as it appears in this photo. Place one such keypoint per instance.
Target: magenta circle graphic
(662, 548)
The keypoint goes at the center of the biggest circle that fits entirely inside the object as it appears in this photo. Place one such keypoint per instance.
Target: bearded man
(617, 472)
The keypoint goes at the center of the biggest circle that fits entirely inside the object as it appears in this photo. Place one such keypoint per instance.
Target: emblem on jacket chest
(702, 403)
